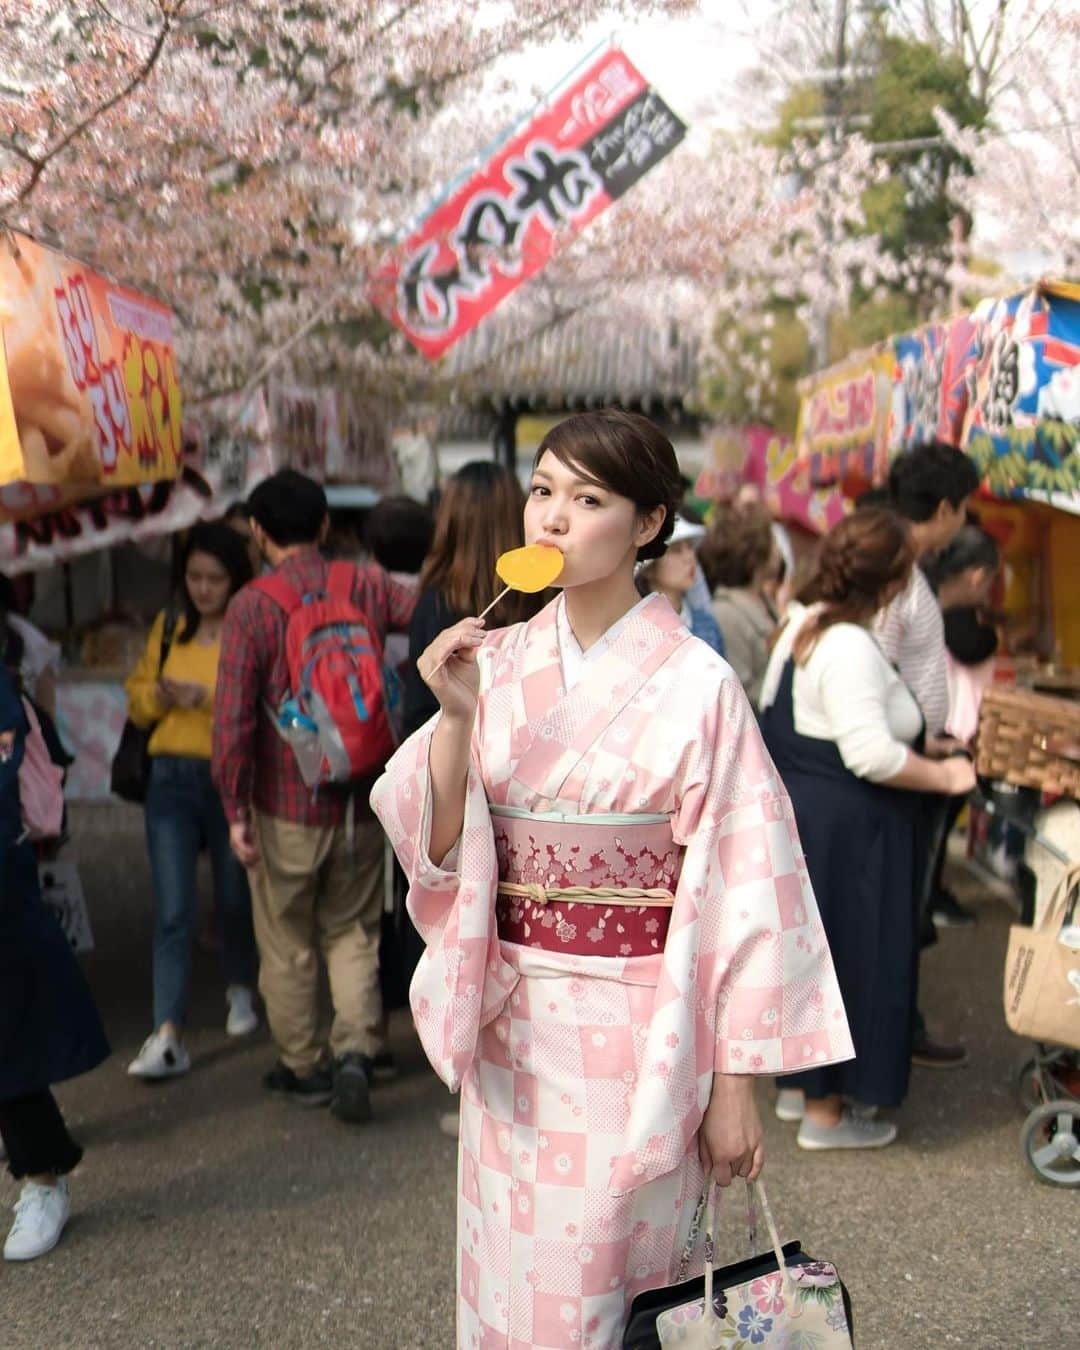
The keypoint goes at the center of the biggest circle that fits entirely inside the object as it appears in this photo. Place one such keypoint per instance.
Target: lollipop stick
(479, 616)
(495, 602)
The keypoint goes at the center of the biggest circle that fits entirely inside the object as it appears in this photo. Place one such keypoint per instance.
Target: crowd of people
(685, 738)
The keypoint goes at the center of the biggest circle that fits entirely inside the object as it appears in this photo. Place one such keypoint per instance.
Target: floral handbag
(782, 1301)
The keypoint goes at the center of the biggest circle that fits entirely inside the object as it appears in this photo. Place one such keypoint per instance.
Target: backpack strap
(275, 586)
(340, 581)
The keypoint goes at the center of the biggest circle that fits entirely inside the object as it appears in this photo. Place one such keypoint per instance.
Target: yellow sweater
(177, 731)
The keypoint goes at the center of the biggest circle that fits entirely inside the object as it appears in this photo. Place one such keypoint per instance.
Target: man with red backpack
(302, 726)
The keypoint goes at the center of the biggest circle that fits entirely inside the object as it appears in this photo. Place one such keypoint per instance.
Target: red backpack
(337, 714)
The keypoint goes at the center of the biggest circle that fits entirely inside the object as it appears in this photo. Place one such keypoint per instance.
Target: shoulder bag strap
(168, 629)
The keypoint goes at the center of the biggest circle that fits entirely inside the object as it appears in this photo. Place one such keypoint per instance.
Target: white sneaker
(790, 1104)
(161, 1056)
(851, 1132)
(242, 1019)
(40, 1215)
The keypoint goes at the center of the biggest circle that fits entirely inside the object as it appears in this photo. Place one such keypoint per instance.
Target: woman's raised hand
(448, 667)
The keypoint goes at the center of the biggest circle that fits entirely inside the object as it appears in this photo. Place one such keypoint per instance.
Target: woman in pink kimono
(620, 931)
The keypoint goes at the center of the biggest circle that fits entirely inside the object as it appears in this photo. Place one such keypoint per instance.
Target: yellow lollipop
(529, 569)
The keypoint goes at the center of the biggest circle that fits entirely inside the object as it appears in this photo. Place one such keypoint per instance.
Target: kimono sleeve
(769, 998)
(461, 980)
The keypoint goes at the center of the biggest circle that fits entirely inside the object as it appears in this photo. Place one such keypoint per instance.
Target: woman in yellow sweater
(183, 810)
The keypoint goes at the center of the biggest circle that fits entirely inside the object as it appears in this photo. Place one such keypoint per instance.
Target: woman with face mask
(183, 810)
(604, 868)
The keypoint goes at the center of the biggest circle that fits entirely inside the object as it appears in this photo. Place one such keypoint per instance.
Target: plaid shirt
(252, 764)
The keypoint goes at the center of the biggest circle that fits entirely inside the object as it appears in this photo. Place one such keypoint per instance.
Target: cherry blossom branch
(42, 161)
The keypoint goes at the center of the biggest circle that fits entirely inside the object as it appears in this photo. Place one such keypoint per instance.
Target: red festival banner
(575, 156)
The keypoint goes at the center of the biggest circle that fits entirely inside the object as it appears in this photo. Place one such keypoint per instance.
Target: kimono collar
(560, 725)
(574, 660)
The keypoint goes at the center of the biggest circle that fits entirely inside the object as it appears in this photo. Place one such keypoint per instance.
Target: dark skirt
(49, 1025)
(863, 854)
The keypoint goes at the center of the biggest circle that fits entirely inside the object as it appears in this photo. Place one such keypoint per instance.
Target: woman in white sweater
(846, 735)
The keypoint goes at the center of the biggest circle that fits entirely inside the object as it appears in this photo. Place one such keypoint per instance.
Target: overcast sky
(692, 62)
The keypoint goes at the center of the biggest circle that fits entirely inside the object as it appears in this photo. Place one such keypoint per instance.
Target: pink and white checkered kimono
(584, 1078)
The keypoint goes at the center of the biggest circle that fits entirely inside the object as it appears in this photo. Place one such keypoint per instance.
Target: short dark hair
(290, 507)
(627, 454)
(926, 476)
(398, 533)
(972, 547)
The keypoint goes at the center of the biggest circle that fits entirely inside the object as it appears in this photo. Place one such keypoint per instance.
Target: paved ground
(207, 1216)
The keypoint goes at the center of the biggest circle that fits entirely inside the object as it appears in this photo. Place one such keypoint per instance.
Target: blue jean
(183, 812)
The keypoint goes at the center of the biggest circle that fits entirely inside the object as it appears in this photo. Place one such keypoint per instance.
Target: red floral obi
(562, 851)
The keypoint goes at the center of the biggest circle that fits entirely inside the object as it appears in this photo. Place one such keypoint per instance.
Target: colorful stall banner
(785, 484)
(933, 383)
(89, 398)
(226, 450)
(331, 432)
(767, 459)
(844, 418)
(573, 157)
(1022, 425)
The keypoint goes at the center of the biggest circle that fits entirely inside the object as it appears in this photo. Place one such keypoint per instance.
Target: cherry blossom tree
(1024, 193)
(249, 162)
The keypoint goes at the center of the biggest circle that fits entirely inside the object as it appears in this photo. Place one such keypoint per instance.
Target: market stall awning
(844, 419)
(1001, 382)
(89, 398)
(1022, 422)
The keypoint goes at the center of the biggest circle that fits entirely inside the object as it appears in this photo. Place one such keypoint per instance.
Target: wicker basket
(1017, 733)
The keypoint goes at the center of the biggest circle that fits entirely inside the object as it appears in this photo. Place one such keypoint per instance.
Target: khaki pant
(313, 891)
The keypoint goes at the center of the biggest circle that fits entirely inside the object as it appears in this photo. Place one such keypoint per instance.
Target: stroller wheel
(1050, 1141)
(1028, 1082)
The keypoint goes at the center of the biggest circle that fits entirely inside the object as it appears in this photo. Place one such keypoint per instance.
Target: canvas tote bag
(1042, 969)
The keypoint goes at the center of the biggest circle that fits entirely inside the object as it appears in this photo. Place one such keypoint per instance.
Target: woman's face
(597, 531)
(675, 571)
(208, 584)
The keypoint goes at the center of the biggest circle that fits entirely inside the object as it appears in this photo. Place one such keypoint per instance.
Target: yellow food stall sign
(89, 398)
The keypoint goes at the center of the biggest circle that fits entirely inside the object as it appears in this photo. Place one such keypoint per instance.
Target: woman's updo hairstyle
(860, 559)
(625, 453)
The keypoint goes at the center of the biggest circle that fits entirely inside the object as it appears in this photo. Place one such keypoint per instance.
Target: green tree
(890, 98)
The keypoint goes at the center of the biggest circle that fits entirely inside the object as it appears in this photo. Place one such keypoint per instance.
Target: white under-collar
(574, 660)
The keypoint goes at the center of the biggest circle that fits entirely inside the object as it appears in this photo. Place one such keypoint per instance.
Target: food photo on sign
(89, 397)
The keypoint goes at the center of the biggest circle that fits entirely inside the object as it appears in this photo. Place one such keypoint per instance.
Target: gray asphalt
(205, 1215)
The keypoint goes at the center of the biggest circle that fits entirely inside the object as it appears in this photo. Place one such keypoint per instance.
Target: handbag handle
(1055, 912)
(756, 1199)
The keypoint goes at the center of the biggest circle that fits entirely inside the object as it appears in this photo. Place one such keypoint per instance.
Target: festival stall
(99, 473)
(118, 551)
(1003, 383)
(766, 460)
